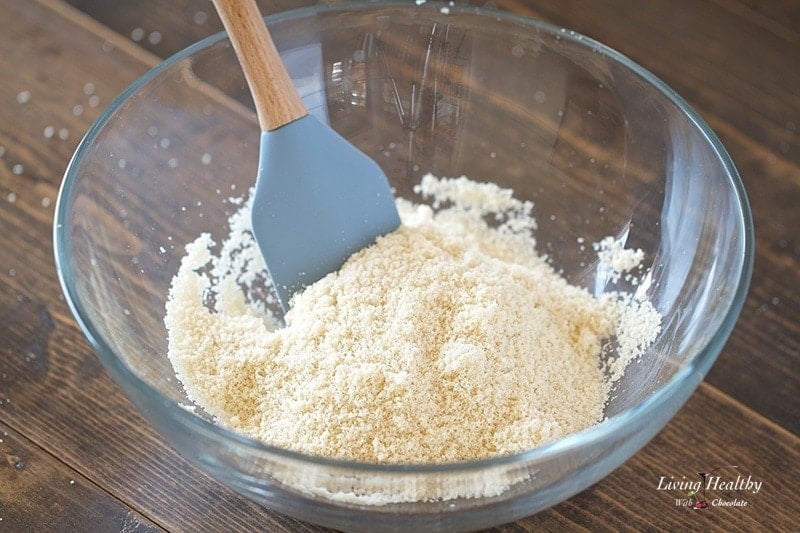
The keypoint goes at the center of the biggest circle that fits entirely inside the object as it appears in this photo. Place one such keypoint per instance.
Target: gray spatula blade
(318, 200)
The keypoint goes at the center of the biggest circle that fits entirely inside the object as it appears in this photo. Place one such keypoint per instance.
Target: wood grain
(734, 61)
(276, 100)
(177, 23)
(40, 493)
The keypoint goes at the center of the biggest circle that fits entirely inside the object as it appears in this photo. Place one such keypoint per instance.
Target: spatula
(318, 199)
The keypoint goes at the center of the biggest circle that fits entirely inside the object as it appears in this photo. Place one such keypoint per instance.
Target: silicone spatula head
(318, 198)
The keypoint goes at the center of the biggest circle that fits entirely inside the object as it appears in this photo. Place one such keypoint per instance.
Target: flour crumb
(638, 324)
(188, 407)
(613, 255)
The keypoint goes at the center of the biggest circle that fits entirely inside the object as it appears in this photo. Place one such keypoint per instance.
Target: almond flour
(614, 256)
(449, 339)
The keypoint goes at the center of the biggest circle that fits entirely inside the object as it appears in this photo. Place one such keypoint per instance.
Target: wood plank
(40, 493)
(779, 17)
(176, 24)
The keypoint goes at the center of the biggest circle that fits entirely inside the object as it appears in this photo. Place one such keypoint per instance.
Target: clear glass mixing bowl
(599, 144)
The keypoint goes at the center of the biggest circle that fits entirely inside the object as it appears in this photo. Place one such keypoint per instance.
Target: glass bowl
(600, 145)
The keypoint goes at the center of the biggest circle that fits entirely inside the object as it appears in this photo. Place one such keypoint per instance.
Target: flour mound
(449, 339)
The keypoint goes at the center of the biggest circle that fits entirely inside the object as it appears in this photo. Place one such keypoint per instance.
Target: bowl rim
(606, 428)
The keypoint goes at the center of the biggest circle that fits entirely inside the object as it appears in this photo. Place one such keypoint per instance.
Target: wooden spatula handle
(276, 99)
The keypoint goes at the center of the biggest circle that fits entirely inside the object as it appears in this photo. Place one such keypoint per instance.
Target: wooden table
(66, 463)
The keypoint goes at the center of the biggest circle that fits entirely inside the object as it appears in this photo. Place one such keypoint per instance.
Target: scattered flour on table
(449, 339)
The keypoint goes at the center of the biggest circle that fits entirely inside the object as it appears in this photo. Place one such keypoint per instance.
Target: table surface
(75, 454)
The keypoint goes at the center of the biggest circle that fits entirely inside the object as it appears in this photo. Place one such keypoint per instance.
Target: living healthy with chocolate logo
(723, 486)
